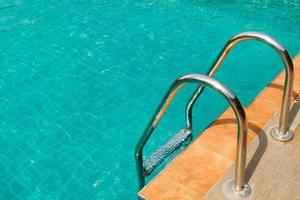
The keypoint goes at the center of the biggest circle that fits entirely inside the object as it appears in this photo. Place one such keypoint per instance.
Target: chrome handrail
(282, 132)
(240, 187)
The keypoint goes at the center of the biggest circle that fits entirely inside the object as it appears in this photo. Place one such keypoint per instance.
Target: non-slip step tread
(180, 139)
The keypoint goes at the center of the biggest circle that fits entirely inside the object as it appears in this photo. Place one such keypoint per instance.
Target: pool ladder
(237, 187)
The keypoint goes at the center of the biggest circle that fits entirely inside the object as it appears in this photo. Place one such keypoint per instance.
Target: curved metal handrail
(281, 132)
(240, 185)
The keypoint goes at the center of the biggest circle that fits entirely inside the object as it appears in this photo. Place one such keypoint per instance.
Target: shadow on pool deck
(193, 173)
(273, 169)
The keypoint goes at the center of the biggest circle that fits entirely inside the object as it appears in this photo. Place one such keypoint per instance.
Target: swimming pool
(80, 80)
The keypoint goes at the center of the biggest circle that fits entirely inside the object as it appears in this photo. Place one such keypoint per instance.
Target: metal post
(240, 187)
(282, 132)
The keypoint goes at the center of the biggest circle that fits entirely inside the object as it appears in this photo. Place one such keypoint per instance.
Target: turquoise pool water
(80, 79)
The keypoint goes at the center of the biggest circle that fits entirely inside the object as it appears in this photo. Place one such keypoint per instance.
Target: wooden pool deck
(193, 173)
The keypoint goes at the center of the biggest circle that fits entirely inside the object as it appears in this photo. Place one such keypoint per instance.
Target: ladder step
(182, 138)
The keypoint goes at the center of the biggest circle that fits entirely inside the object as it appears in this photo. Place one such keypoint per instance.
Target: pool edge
(212, 153)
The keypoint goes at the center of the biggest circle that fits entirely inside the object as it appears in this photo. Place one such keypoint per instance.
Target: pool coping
(195, 170)
(268, 166)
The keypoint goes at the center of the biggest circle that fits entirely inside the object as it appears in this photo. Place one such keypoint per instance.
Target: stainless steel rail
(239, 187)
(282, 132)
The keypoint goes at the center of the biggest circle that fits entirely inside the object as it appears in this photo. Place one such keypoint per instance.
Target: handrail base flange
(282, 137)
(231, 193)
